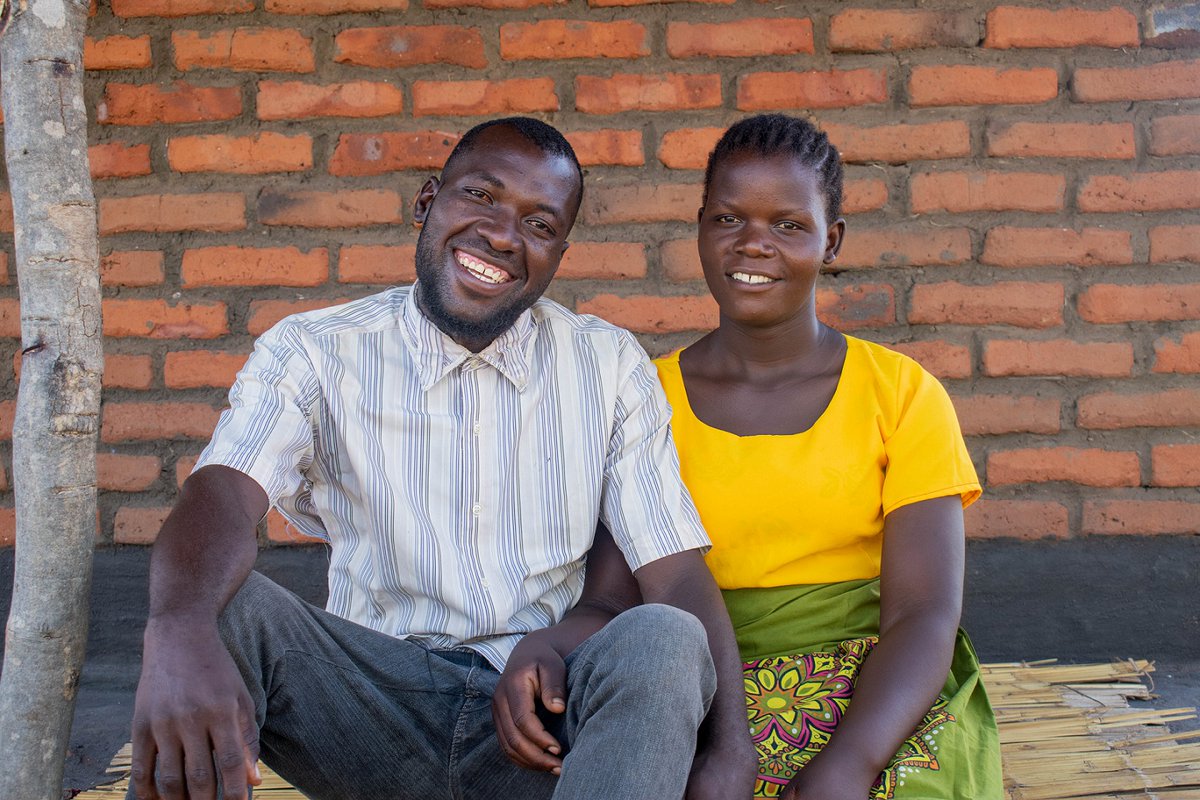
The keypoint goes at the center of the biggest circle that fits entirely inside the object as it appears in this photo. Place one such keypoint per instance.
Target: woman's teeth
(745, 277)
(485, 272)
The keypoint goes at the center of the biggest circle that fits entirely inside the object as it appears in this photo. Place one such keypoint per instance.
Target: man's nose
(499, 229)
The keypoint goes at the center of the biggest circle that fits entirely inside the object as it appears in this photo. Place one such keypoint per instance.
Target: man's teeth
(745, 277)
(485, 272)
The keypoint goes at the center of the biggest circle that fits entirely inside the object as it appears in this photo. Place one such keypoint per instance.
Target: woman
(831, 475)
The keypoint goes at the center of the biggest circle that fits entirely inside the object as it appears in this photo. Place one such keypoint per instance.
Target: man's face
(494, 230)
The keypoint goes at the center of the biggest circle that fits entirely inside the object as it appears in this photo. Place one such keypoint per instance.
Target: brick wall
(1023, 186)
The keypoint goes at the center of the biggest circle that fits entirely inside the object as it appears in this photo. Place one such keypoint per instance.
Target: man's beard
(434, 279)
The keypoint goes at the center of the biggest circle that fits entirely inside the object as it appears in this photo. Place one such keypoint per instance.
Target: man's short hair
(546, 137)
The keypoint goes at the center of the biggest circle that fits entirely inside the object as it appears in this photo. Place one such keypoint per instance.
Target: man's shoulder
(368, 314)
(561, 321)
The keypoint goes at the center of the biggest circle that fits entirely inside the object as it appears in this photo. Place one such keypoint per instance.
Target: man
(455, 444)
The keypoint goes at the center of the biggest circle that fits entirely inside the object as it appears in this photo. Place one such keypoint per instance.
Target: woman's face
(763, 238)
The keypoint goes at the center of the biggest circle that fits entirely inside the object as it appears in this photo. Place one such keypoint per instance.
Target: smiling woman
(831, 476)
(494, 227)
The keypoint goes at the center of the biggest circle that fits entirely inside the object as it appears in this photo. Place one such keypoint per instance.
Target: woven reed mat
(1065, 732)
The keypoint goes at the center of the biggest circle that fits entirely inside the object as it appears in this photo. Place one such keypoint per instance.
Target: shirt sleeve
(645, 503)
(267, 431)
(926, 454)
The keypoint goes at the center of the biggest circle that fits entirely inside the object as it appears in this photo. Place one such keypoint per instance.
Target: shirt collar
(437, 355)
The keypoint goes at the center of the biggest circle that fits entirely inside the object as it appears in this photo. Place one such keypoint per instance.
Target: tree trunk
(58, 403)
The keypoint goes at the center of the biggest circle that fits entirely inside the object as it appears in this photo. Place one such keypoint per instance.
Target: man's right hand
(535, 674)
(193, 718)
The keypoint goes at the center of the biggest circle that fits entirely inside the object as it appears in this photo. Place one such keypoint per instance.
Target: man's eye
(788, 225)
(541, 226)
(478, 193)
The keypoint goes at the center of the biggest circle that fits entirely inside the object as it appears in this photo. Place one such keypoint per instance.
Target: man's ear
(425, 199)
(833, 240)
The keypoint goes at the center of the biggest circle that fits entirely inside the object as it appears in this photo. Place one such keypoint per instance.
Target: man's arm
(726, 762)
(191, 701)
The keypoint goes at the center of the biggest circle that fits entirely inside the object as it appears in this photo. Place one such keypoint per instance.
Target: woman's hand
(723, 770)
(535, 674)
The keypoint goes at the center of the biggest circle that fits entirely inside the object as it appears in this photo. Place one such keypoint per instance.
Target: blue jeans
(347, 712)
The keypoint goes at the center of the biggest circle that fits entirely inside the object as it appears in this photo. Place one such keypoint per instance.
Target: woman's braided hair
(769, 135)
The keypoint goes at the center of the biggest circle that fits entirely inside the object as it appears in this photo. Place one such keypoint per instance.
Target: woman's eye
(788, 225)
(727, 219)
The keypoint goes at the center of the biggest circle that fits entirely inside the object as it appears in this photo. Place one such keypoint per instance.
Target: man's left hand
(535, 673)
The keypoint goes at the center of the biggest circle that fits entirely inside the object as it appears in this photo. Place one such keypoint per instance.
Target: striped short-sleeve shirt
(458, 492)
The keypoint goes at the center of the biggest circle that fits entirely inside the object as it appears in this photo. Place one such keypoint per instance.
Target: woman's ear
(699, 215)
(425, 199)
(833, 240)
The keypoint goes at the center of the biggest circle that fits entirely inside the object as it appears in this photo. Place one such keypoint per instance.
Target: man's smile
(482, 270)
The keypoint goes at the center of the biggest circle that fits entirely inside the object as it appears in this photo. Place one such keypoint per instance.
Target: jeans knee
(665, 633)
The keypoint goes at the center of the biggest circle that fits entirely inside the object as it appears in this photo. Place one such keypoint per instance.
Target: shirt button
(485, 584)
(476, 428)
(476, 509)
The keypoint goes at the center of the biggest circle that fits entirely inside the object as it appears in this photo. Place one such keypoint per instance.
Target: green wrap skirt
(802, 648)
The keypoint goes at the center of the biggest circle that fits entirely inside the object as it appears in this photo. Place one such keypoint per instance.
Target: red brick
(156, 319)
(1175, 243)
(131, 104)
(1178, 356)
(864, 194)
(468, 98)
(607, 147)
(942, 359)
(259, 153)
(244, 49)
(116, 472)
(1169, 80)
(555, 39)
(688, 148)
(1147, 191)
(1141, 516)
(1026, 305)
(898, 143)
(1175, 136)
(1058, 357)
(603, 261)
(410, 45)
(10, 319)
(385, 264)
(132, 268)
(1011, 26)
(641, 202)
(8, 409)
(995, 414)
(379, 153)
(1036, 247)
(969, 85)
(681, 260)
(869, 30)
(172, 212)
(492, 4)
(1167, 409)
(611, 3)
(254, 266)
(771, 36)
(3, 268)
(1085, 466)
(138, 525)
(904, 247)
(127, 372)
(6, 213)
(667, 92)
(297, 100)
(265, 313)
(124, 422)
(653, 314)
(853, 307)
(4, 484)
(179, 8)
(280, 531)
(1061, 140)
(772, 91)
(344, 209)
(8, 527)
(119, 160)
(184, 466)
(195, 369)
(116, 52)
(326, 7)
(1175, 464)
(1017, 519)
(1108, 303)
(959, 192)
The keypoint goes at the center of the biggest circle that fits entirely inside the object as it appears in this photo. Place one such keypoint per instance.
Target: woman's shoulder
(883, 364)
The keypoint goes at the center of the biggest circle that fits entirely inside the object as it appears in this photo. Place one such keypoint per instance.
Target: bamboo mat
(1066, 733)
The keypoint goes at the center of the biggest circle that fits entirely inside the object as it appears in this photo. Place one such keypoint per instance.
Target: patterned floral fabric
(795, 702)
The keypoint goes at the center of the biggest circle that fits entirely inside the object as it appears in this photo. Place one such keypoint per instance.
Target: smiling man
(456, 444)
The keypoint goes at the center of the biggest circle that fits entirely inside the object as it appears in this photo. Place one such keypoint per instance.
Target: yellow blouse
(808, 508)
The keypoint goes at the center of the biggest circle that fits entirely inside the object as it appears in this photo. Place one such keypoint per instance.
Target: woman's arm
(921, 584)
